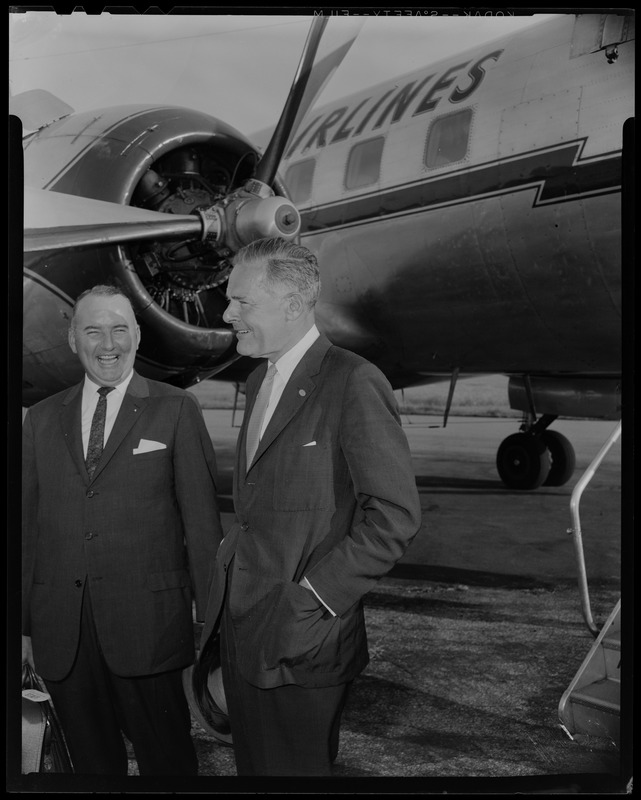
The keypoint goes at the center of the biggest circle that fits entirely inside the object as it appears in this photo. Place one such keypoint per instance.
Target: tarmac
(473, 637)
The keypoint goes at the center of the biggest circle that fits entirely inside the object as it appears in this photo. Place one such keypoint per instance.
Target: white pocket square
(148, 446)
(309, 444)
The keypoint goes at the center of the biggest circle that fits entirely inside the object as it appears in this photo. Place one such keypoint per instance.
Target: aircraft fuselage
(503, 254)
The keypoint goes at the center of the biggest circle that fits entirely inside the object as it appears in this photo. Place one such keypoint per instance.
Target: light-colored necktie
(258, 413)
(97, 433)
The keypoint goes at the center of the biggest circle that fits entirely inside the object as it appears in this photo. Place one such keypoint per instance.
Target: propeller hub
(260, 219)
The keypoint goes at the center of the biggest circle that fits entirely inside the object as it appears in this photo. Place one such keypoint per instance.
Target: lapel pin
(302, 392)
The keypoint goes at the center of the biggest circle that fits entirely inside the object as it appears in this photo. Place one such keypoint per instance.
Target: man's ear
(71, 338)
(295, 306)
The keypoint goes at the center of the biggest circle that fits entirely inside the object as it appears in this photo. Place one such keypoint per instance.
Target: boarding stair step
(595, 710)
(592, 702)
(605, 694)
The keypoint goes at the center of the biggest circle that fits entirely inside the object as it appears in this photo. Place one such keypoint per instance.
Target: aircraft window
(298, 180)
(364, 163)
(448, 138)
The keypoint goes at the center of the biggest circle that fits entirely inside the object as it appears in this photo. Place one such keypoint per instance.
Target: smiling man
(120, 530)
(326, 502)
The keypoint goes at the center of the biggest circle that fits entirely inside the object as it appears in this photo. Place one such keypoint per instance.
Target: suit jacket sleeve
(388, 513)
(195, 477)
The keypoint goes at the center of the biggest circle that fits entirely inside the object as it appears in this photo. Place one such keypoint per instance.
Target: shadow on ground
(463, 682)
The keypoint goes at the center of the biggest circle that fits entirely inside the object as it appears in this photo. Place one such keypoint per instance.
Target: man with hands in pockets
(326, 503)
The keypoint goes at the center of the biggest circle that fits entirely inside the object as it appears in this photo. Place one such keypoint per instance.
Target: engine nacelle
(171, 160)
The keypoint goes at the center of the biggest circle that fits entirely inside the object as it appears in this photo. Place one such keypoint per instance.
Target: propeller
(54, 220)
(268, 166)
(317, 65)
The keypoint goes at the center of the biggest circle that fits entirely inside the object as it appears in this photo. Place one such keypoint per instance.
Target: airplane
(467, 218)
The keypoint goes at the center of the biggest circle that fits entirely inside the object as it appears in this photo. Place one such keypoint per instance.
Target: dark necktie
(97, 434)
(258, 413)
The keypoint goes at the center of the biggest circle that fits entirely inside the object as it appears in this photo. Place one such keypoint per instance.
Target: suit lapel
(298, 390)
(294, 396)
(71, 422)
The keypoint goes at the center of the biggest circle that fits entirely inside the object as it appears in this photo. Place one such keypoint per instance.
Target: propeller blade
(53, 221)
(316, 67)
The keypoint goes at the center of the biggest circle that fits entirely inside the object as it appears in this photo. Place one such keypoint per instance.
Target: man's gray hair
(285, 263)
(101, 290)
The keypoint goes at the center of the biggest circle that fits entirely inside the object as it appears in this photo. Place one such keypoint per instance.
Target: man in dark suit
(116, 543)
(326, 503)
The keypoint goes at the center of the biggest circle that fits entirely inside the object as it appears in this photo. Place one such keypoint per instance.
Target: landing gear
(523, 461)
(535, 457)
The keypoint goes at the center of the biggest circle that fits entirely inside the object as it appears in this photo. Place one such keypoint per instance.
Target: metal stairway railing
(576, 529)
(591, 704)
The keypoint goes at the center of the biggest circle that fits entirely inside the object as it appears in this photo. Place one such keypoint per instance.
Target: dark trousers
(288, 730)
(95, 707)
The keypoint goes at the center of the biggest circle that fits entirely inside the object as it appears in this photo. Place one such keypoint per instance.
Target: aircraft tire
(563, 458)
(523, 461)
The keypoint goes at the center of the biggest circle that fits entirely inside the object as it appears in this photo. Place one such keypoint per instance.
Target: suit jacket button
(90, 493)
(89, 535)
(78, 584)
(244, 526)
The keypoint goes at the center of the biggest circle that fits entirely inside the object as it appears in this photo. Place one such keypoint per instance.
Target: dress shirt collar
(91, 388)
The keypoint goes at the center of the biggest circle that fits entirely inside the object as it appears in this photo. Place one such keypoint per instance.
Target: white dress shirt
(90, 401)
